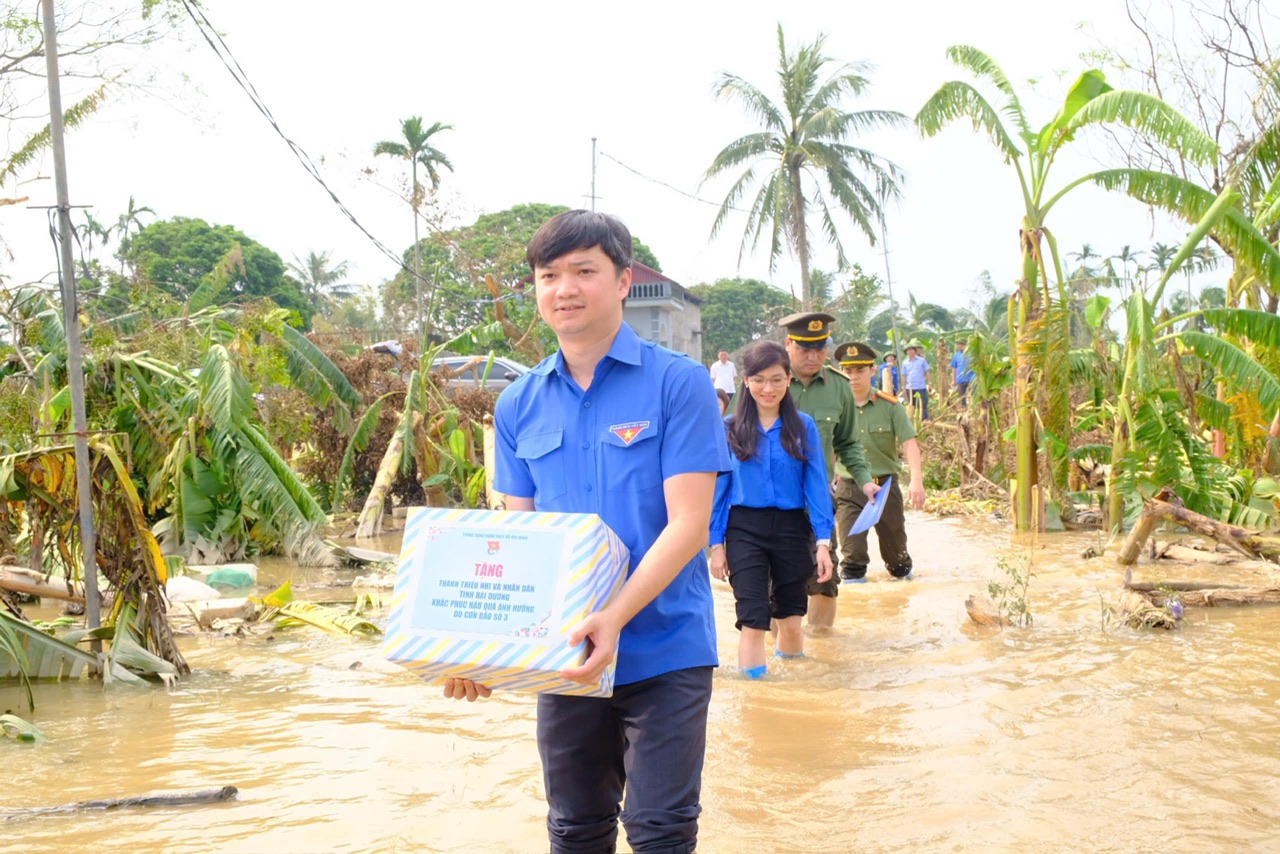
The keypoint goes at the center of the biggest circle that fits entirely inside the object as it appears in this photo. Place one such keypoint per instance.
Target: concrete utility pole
(71, 323)
(593, 173)
(893, 306)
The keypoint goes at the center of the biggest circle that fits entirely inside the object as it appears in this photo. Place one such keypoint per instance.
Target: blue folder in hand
(873, 510)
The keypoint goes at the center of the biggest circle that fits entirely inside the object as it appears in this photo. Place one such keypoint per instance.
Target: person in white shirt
(723, 374)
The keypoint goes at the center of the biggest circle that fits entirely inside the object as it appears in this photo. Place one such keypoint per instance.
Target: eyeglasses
(771, 382)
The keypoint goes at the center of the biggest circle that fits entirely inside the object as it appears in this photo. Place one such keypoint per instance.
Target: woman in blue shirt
(771, 510)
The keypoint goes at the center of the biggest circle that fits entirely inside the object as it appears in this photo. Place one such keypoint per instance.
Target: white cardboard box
(492, 595)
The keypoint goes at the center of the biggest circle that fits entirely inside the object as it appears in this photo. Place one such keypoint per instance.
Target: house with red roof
(663, 311)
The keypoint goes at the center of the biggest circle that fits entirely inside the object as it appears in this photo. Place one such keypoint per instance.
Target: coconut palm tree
(415, 147)
(1127, 256)
(319, 279)
(90, 230)
(804, 144)
(1042, 329)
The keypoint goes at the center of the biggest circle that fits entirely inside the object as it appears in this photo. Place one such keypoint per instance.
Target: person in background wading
(915, 376)
(884, 427)
(627, 430)
(771, 511)
(822, 393)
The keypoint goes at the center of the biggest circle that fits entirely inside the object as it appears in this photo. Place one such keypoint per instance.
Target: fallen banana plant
(40, 483)
(15, 727)
(329, 619)
(28, 653)
(279, 605)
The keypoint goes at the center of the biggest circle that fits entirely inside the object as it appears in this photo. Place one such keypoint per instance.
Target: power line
(671, 187)
(228, 60)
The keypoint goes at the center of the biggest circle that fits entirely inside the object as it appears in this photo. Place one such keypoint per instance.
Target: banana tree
(41, 483)
(1039, 306)
(1147, 417)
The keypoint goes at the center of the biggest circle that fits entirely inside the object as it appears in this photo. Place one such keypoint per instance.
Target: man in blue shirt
(961, 372)
(915, 376)
(620, 427)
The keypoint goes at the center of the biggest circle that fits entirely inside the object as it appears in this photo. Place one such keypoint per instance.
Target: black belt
(879, 481)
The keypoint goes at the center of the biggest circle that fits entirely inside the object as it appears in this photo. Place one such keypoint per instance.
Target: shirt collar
(820, 375)
(626, 348)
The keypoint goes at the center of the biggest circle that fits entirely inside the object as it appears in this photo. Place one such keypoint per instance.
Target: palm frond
(329, 619)
(1260, 327)
(1232, 362)
(1084, 364)
(1213, 412)
(227, 398)
(757, 103)
(957, 99)
(359, 441)
(285, 500)
(71, 118)
(313, 372)
(982, 65)
(1151, 116)
(413, 406)
(1191, 202)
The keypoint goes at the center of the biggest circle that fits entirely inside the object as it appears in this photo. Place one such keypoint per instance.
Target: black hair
(744, 429)
(573, 230)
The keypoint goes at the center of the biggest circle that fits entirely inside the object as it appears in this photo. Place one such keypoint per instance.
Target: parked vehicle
(476, 372)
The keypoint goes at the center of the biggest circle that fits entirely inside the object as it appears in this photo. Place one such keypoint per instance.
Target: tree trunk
(1137, 537)
(22, 580)
(1210, 598)
(423, 332)
(1026, 475)
(1219, 436)
(1249, 543)
(494, 500)
(370, 522)
(802, 237)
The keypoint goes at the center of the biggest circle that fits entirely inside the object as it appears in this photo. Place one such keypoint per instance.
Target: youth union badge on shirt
(630, 431)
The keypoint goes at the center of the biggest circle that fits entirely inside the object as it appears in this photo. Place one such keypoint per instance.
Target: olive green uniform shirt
(883, 425)
(828, 400)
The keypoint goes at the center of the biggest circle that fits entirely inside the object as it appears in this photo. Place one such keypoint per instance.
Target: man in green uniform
(883, 426)
(823, 393)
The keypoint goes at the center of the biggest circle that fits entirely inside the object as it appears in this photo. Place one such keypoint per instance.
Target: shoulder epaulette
(884, 395)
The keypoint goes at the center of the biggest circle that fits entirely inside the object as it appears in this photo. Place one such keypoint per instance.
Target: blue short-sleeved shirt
(916, 372)
(649, 414)
(774, 478)
(960, 364)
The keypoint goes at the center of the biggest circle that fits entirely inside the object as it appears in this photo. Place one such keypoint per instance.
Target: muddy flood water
(908, 729)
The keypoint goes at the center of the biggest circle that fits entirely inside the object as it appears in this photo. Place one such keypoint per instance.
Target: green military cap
(855, 354)
(809, 329)
(916, 343)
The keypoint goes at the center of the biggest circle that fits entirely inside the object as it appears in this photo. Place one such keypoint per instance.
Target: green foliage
(456, 262)
(191, 260)
(11, 650)
(1010, 592)
(359, 442)
(314, 373)
(737, 311)
(21, 730)
(802, 154)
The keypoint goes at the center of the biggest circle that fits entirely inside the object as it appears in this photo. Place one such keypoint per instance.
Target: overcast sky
(526, 87)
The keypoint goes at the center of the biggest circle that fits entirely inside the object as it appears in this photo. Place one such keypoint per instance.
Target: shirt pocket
(635, 465)
(541, 453)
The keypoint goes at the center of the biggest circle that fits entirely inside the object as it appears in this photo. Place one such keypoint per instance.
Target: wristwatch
(715, 546)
